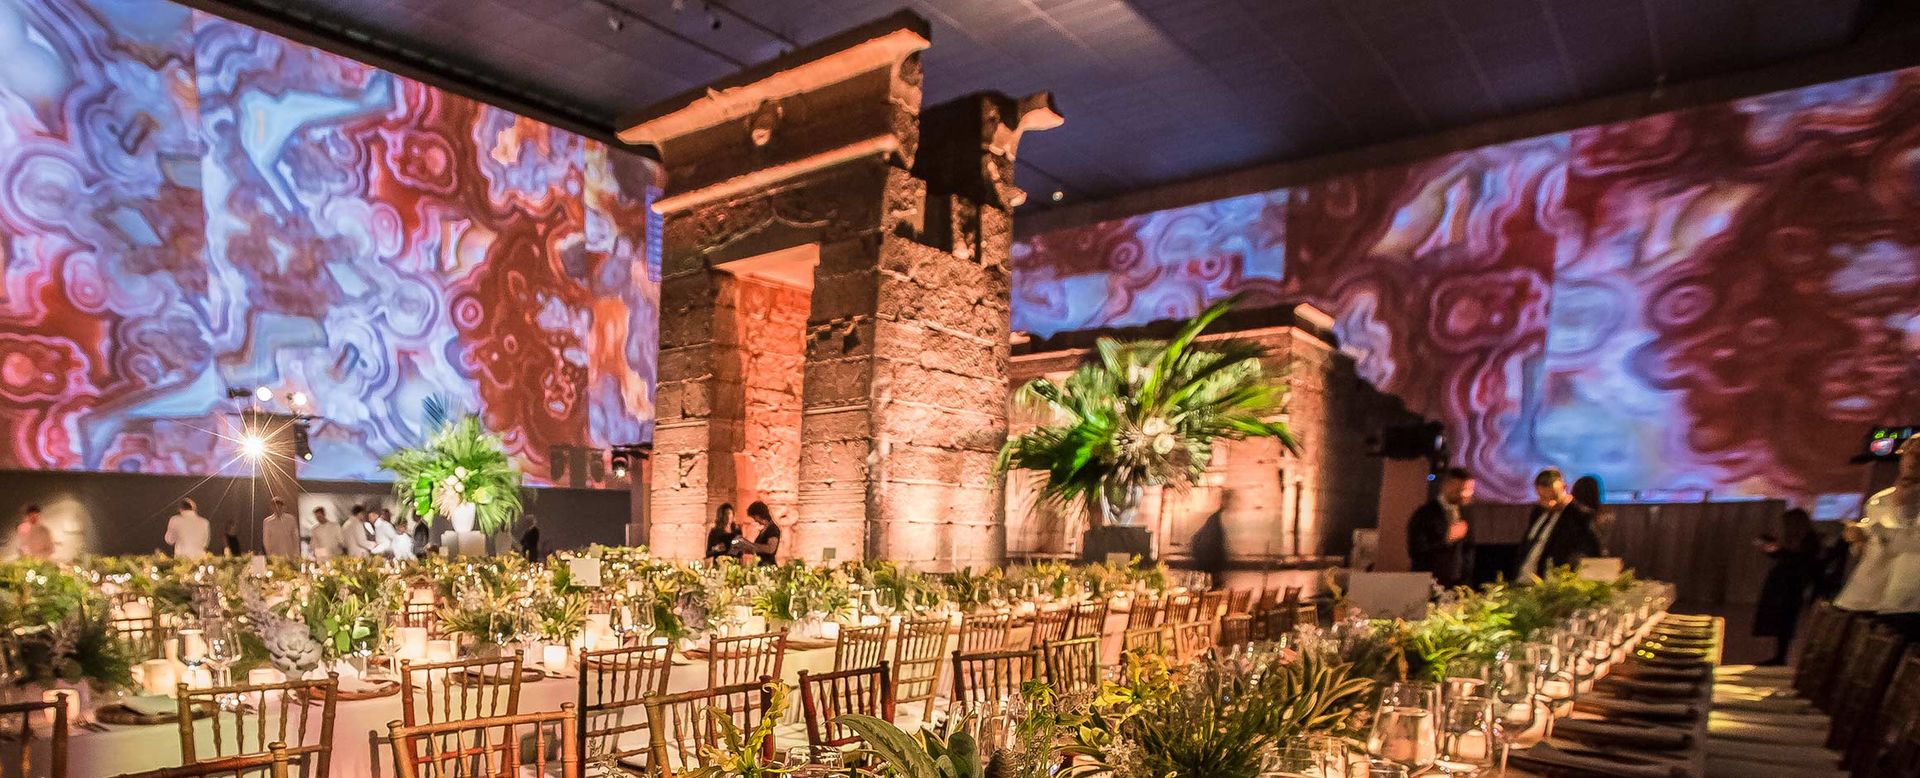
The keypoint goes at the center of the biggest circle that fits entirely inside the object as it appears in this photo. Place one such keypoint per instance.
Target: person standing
(33, 540)
(422, 532)
(530, 539)
(280, 532)
(766, 537)
(722, 533)
(380, 533)
(1886, 580)
(1208, 546)
(188, 532)
(327, 540)
(1586, 491)
(1559, 530)
(1439, 539)
(400, 546)
(1796, 563)
(357, 532)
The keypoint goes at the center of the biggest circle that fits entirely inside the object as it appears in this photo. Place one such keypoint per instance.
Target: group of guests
(1563, 527)
(365, 533)
(754, 544)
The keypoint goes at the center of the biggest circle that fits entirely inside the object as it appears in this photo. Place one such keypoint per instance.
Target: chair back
(1893, 740)
(1145, 611)
(272, 764)
(1089, 619)
(867, 691)
(860, 646)
(18, 731)
(1073, 665)
(1049, 626)
(988, 677)
(254, 718)
(144, 635)
(1213, 604)
(919, 654)
(1236, 631)
(682, 726)
(1239, 601)
(614, 687)
(981, 632)
(1869, 668)
(444, 692)
(425, 615)
(512, 746)
(1819, 659)
(1150, 640)
(746, 658)
(1192, 639)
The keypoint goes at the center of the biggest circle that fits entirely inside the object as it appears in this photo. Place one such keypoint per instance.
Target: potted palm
(461, 472)
(1145, 413)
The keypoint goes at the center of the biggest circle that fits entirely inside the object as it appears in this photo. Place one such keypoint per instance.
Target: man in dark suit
(1559, 531)
(1439, 540)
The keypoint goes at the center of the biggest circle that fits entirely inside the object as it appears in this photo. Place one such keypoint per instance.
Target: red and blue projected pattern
(188, 204)
(1722, 299)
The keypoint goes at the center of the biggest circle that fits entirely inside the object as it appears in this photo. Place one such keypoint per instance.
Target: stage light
(263, 394)
(253, 446)
(621, 463)
(236, 393)
(302, 444)
(297, 399)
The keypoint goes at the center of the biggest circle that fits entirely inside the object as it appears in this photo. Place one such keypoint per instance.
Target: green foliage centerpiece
(1145, 413)
(462, 472)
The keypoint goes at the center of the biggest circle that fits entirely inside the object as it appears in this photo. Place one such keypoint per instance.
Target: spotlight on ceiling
(621, 463)
(263, 394)
(297, 399)
(237, 393)
(252, 446)
(302, 443)
(1059, 195)
(615, 23)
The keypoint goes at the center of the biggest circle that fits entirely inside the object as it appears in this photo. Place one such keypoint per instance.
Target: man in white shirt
(188, 531)
(325, 541)
(280, 532)
(33, 540)
(357, 532)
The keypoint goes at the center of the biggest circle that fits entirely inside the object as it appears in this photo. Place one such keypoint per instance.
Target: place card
(413, 643)
(1601, 568)
(585, 571)
(1390, 595)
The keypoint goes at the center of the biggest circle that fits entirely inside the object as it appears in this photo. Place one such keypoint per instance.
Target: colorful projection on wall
(188, 204)
(1721, 299)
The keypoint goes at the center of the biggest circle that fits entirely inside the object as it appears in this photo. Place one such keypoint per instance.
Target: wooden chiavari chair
(867, 691)
(425, 615)
(682, 725)
(919, 654)
(442, 692)
(860, 647)
(614, 687)
(255, 718)
(1819, 662)
(1893, 742)
(1089, 619)
(1869, 668)
(989, 677)
(272, 764)
(1239, 601)
(143, 634)
(985, 632)
(1145, 611)
(1192, 639)
(17, 732)
(1150, 640)
(1073, 665)
(1049, 626)
(1213, 604)
(513, 746)
(1181, 608)
(1269, 597)
(1235, 631)
(744, 658)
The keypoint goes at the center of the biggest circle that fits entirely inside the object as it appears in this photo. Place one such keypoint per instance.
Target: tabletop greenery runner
(1209, 717)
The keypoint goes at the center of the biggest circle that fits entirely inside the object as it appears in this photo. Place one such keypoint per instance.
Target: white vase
(462, 517)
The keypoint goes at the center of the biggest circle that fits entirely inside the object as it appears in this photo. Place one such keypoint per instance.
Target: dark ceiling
(1154, 91)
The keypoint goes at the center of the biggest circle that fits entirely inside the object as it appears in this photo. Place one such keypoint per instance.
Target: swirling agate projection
(1723, 298)
(188, 204)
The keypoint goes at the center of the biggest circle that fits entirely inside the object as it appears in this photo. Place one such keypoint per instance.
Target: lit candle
(135, 609)
(193, 645)
(597, 626)
(159, 676)
(829, 630)
(198, 678)
(413, 643)
(554, 658)
(439, 650)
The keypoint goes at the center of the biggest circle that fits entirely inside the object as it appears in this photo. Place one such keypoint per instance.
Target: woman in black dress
(1796, 563)
(722, 533)
(766, 534)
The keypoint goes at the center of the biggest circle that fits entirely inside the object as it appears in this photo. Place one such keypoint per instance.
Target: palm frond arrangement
(460, 464)
(1146, 413)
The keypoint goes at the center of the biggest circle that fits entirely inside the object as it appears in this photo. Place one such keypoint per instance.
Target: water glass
(1291, 762)
(1467, 735)
(1405, 735)
(1379, 769)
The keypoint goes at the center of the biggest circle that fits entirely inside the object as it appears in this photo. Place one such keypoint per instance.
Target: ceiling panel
(1153, 90)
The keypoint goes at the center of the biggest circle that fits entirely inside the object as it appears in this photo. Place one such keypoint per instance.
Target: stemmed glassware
(1515, 685)
(223, 650)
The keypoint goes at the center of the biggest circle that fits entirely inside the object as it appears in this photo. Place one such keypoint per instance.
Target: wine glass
(1380, 769)
(640, 613)
(1516, 681)
(1466, 736)
(1404, 735)
(223, 651)
(190, 646)
(1291, 762)
(1411, 694)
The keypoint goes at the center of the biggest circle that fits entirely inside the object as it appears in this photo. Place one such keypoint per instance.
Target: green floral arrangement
(972, 590)
(795, 592)
(348, 605)
(738, 753)
(461, 465)
(59, 627)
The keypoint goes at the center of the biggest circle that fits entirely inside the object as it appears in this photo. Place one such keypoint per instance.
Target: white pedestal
(463, 543)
